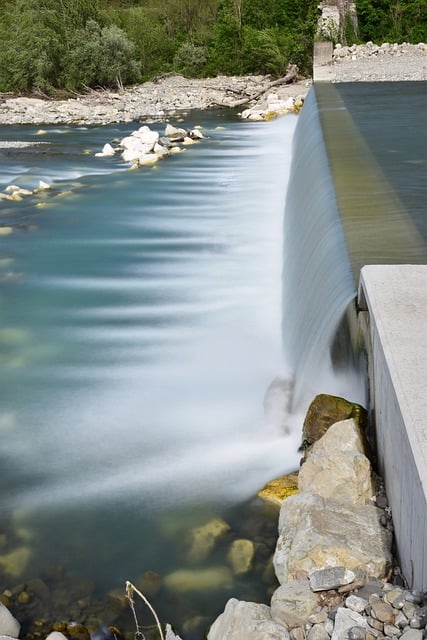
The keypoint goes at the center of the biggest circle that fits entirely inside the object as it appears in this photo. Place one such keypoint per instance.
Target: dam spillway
(357, 198)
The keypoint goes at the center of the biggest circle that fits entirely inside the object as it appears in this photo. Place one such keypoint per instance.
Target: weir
(355, 219)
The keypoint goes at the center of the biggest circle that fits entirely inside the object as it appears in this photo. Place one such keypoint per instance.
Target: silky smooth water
(139, 331)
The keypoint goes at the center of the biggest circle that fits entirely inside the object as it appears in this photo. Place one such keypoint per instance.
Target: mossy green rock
(326, 410)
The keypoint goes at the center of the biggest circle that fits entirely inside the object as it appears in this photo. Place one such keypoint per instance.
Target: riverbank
(167, 96)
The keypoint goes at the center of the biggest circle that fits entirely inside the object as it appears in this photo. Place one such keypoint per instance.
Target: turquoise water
(139, 331)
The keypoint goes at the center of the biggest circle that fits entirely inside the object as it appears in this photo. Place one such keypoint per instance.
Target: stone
(170, 635)
(246, 621)
(392, 594)
(203, 539)
(355, 603)
(241, 555)
(318, 632)
(345, 620)
(277, 490)
(391, 630)
(401, 621)
(356, 633)
(56, 635)
(324, 411)
(412, 634)
(297, 633)
(330, 578)
(316, 532)
(336, 466)
(14, 563)
(293, 603)
(107, 151)
(175, 133)
(382, 611)
(184, 580)
(318, 617)
(9, 626)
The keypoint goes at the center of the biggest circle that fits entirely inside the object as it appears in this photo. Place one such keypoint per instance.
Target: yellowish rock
(185, 580)
(241, 556)
(205, 538)
(14, 563)
(149, 583)
(280, 488)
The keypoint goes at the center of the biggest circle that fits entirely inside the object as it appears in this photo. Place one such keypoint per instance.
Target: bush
(190, 59)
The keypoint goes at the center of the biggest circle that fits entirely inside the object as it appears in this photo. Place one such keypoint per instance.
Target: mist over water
(139, 337)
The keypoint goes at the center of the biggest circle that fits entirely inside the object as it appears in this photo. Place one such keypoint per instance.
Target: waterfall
(318, 283)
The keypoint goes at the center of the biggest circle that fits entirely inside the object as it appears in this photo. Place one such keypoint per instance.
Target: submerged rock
(185, 580)
(241, 556)
(204, 539)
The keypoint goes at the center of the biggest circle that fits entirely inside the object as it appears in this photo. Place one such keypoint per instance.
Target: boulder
(277, 490)
(56, 635)
(293, 603)
(336, 466)
(15, 562)
(175, 133)
(317, 532)
(326, 410)
(9, 626)
(246, 621)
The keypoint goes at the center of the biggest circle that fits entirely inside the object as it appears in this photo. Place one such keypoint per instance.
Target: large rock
(246, 621)
(293, 603)
(336, 466)
(241, 556)
(326, 410)
(9, 626)
(316, 532)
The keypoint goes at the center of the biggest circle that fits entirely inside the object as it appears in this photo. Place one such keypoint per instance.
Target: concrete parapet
(322, 61)
(393, 302)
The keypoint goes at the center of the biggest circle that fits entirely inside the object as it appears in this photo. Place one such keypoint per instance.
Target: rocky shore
(172, 95)
(167, 96)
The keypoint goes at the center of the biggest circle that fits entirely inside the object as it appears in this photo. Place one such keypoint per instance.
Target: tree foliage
(392, 21)
(53, 44)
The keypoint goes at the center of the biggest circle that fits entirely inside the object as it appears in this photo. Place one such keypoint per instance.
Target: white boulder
(246, 621)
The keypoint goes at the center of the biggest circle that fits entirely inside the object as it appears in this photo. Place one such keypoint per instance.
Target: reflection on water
(137, 341)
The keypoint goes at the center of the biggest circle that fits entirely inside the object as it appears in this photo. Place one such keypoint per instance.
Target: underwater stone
(204, 539)
(241, 555)
(184, 580)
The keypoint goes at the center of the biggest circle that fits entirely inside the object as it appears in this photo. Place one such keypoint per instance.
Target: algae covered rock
(277, 490)
(326, 410)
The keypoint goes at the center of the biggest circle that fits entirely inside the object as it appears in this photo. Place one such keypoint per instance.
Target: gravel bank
(374, 63)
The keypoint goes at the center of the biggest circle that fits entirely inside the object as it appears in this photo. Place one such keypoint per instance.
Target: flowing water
(140, 329)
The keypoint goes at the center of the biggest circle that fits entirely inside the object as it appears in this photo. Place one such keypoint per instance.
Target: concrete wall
(393, 316)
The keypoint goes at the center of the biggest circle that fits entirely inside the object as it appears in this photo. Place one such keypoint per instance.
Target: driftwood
(291, 75)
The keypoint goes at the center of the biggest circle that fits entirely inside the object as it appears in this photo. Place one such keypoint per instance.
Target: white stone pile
(372, 50)
(274, 105)
(145, 146)
(333, 558)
